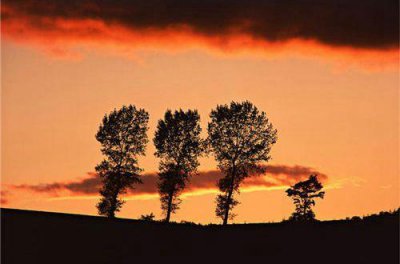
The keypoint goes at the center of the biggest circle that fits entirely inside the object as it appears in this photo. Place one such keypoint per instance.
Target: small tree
(148, 217)
(178, 143)
(303, 194)
(123, 137)
(240, 137)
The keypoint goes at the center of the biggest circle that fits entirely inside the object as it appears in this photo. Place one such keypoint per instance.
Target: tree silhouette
(123, 137)
(178, 144)
(148, 217)
(240, 137)
(303, 194)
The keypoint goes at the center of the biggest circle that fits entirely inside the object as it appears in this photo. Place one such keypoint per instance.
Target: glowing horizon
(332, 96)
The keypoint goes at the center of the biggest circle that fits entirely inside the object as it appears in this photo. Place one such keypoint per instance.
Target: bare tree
(123, 138)
(240, 137)
(178, 143)
(303, 194)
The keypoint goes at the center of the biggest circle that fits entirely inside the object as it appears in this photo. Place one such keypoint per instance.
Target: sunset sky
(325, 72)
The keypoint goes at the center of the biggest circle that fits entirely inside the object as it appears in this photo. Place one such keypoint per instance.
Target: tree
(178, 144)
(303, 194)
(240, 137)
(123, 138)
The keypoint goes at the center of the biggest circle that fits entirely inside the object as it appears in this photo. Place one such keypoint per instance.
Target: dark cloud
(90, 185)
(277, 175)
(371, 24)
(296, 172)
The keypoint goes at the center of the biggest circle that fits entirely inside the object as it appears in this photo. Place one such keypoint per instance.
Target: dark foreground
(40, 237)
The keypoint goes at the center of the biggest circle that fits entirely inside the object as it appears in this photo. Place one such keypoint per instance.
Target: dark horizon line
(123, 219)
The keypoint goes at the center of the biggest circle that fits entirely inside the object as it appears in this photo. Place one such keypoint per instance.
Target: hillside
(42, 237)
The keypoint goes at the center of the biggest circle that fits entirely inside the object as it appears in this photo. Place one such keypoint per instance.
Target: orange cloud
(3, 198)
(367, 35)
(276, 176)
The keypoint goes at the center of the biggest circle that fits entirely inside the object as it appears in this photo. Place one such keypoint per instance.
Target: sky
(325, 72)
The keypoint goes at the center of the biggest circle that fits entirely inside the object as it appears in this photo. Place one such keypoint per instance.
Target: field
(42, 237)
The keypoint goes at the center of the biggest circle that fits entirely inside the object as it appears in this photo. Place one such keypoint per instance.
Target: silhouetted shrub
(147, 217)
(303, 194)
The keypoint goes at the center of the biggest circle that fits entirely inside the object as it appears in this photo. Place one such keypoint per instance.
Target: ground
(41, 237)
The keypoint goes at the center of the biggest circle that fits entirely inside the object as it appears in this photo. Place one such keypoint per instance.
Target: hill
(42, 237)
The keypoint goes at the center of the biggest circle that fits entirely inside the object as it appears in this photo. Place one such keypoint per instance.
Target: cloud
(266, 26)
(89, 185)
(357, 23)
(3, 197)
(276, 175)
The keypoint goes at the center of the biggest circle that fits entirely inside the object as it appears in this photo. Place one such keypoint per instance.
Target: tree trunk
(111, 214)
(170, 198)
(229, 200)
(228, 203)
(114, 198)
(113, 206)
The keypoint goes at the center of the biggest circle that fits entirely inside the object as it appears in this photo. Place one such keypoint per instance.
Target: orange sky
(335, 108)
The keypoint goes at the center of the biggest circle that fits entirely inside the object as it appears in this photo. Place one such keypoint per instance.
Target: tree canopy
(240, 138)
(178, 145)
(123, 137)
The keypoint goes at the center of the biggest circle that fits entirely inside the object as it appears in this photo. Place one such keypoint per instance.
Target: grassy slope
(40, 237)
